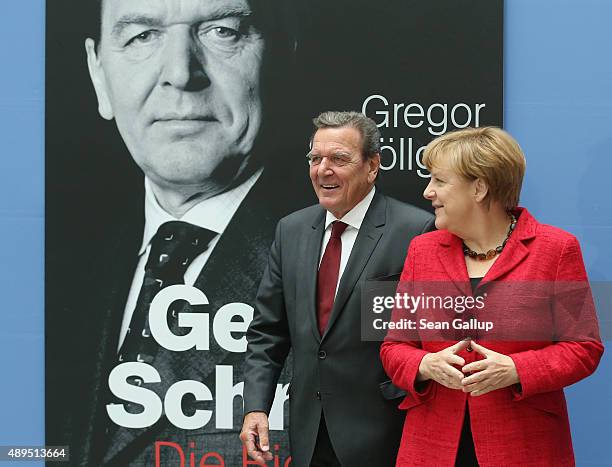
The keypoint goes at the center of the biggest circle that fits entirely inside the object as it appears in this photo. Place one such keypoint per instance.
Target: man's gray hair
(370, 136)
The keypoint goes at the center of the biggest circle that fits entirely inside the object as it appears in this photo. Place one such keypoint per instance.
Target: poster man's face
(182, 80)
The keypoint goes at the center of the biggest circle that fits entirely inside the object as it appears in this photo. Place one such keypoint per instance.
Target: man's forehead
(172, 10)
(318, 146)
(336, 139)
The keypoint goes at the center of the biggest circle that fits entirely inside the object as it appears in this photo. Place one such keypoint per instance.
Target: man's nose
(325, 167)
(184, 62)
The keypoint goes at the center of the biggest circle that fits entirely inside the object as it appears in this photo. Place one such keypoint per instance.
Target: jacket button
(322, 355)
(318, 395)
(469, 348)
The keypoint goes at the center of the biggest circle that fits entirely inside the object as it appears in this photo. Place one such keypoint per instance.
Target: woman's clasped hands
(494, 371)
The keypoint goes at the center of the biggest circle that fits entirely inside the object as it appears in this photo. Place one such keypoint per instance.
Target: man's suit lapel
(369, 234)
(115, 301)
(233, 271)
(308, 273)
(113, 281)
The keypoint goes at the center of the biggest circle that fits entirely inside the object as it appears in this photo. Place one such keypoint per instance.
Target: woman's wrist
(422, 374)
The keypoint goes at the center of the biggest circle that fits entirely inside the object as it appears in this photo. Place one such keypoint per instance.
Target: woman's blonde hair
(488, 153)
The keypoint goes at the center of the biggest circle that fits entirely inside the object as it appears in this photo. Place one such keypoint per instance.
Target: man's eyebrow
(228, 12)
(143, 20)
(128, 20)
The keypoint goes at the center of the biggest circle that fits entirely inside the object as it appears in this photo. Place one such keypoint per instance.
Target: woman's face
(452, 196)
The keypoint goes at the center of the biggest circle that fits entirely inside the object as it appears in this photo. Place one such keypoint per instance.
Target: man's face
(340, 176)
(182, 80)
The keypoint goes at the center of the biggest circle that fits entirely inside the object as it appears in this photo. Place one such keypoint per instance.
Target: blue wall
(22, 26)
(558, 104)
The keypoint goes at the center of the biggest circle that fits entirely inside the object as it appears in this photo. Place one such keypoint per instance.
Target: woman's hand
(496, 371)
(439, 367)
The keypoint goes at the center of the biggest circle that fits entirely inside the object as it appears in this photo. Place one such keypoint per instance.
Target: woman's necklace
(491, 253)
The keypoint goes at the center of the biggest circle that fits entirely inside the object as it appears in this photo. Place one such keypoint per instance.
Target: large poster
(199, 111)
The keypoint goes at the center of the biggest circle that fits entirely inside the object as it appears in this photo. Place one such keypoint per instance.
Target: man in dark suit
(309, 300)
(185, 83)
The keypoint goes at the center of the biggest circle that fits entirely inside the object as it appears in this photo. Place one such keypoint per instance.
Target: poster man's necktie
(327, 280)
(173, 248)
(175, 245)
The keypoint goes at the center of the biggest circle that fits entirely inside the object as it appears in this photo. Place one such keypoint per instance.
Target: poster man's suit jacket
(231, 274)
(337, 375)
(526, 425)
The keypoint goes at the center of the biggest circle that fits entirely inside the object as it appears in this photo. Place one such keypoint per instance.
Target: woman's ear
(481, 190)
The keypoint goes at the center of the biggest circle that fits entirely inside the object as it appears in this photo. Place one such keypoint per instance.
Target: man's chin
(186, 164)
(182, 181)
(328, 203)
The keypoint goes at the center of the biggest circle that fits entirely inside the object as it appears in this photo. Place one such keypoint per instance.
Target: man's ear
(374, 167)
(96, 73)
(481, 190)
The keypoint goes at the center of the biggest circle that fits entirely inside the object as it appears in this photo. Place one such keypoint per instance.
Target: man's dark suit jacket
(83, 334)
(337, 375)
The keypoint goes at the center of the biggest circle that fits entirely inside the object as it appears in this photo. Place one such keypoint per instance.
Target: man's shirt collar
(354, 218)
(214, 213)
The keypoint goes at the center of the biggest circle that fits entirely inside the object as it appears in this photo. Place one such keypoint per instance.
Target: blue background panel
(558, 105)
(22, 46)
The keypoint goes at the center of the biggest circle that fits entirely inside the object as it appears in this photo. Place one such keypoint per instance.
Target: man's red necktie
(329, 271)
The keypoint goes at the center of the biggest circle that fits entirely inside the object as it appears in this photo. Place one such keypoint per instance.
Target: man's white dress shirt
(353, 219)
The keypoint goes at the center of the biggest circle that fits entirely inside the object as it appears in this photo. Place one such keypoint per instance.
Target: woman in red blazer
(478, 394)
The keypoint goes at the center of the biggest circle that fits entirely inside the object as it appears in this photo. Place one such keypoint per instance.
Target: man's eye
(225, 33)
(144, 37)
(315, 160)
(340, 160)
